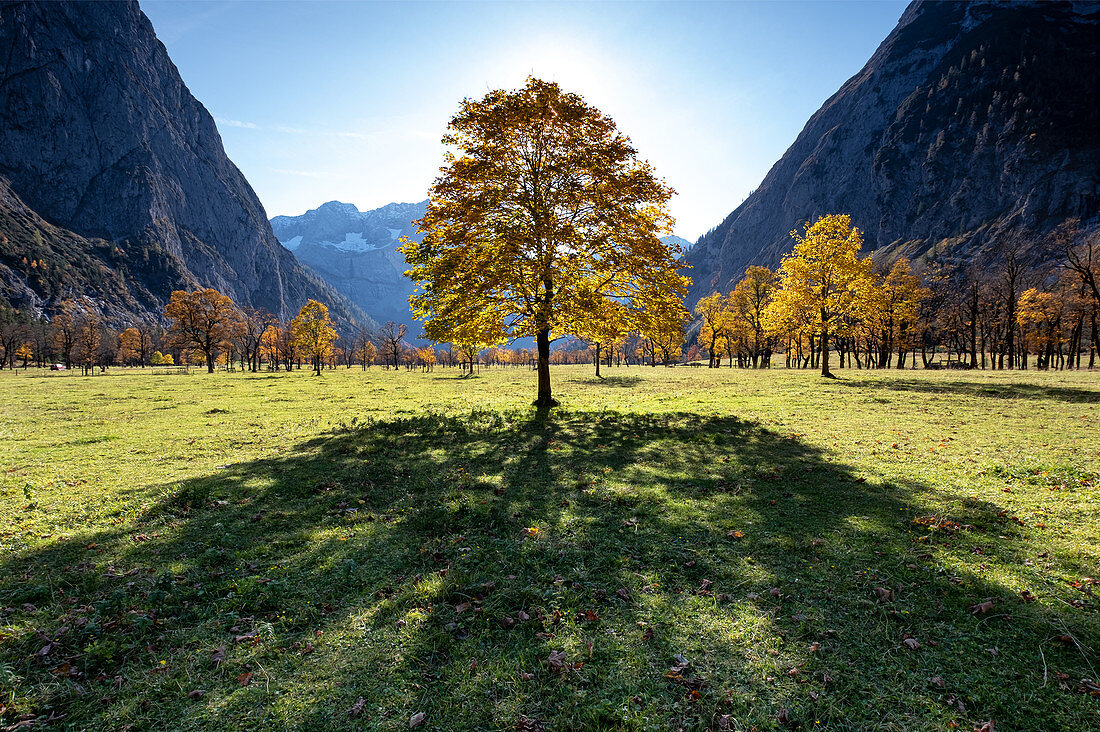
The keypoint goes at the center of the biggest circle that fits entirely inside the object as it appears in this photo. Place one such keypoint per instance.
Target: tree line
(987, 313)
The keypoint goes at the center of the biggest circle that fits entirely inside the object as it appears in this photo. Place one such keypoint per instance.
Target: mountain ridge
(968, 128)
(101, 139)
(355, 252)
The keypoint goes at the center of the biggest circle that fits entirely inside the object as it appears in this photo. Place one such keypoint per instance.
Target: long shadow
(625, 382)
(693, 573)
(991, 390)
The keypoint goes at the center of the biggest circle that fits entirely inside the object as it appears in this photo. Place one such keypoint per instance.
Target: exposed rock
(101, 141)
(972, 125)
(356, 253)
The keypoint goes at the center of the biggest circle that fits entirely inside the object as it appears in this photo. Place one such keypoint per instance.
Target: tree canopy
(202, 319)
(313, 333)
(823, 280)
(542, 215)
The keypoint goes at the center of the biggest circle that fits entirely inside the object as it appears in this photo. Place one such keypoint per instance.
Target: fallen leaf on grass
(1090, 687)
(556, 661)
(218, 656)
(416, 720)
(196, 694)
(987, 727)
(623, 593)
(462, 607)
(884, 595)
(522, 616)
(245, 679)
(938, 682)
(357, 708)
(735, 534)
(981, 608)
(911, 643)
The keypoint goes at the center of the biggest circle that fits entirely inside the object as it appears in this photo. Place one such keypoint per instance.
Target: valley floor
(671, 549)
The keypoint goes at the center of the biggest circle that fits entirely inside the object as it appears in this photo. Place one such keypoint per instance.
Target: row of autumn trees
(826, 298)
(205, 327)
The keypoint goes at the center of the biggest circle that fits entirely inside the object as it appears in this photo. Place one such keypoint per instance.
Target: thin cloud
(236, 123)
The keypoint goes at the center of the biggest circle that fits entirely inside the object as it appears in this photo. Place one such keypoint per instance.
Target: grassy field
(671, 549)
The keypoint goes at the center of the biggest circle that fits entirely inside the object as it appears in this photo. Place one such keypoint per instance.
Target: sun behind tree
(542, 213)
(313, 333)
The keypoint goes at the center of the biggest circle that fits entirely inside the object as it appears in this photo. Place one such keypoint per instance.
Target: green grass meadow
(671, 549)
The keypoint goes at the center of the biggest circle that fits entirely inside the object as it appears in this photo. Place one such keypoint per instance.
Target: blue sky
(347, 100)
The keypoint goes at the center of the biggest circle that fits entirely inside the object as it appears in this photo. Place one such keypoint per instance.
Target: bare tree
(390, 337)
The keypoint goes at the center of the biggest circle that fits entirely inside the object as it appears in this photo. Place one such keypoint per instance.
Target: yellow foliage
(313, 333)
(543, 221)
(822, 282)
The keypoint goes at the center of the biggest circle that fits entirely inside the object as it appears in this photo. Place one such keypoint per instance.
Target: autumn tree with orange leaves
(314, 334)
(542, 213)
(202, 320)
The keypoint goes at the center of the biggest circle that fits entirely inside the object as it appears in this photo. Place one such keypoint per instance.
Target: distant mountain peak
(348, 208)
(355, 252)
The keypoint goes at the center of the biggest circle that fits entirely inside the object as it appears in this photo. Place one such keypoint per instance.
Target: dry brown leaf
(911, 643)
(416, 720)
(556, 660)
(357, 708)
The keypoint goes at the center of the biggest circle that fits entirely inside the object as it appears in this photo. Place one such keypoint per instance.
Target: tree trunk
(825, 354)
(597, 361)
(542, 340)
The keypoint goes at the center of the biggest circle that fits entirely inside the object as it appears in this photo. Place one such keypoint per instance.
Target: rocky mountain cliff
(356, 253)
(973, 125)
(114, 184)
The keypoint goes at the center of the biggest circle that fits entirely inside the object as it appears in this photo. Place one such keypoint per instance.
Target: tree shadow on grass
(991, 390)
(624, 382)
(693, 572)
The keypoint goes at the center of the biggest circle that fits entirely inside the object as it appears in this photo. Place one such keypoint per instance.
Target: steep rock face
(356, 253)
(973, 125)
(101, 140)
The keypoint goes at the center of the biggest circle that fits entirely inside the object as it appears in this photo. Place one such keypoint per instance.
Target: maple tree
(714, 311)
(747, 303)
(897, 306)
(391, 337)
(203, 320)
(822, 280)
(542, 212)
(249, 334)
(89, 337)
(314, 333)
(367, 352)
(608, 325)
(135, 343)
